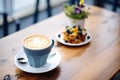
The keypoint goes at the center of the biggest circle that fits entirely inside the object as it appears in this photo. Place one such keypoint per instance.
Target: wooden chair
(5, 24)
(5, 15)
(49, 13)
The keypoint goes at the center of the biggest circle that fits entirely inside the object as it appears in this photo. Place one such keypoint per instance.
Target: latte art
(37, 42)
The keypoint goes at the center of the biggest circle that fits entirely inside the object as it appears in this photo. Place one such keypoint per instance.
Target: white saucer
(59, 37)
(52, 62)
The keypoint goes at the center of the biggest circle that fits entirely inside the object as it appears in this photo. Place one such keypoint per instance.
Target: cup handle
(52, 43)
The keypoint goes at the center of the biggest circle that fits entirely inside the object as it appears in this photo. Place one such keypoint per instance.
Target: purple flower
(78, 11)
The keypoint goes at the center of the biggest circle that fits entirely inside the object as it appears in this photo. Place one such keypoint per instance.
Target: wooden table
(98, 60)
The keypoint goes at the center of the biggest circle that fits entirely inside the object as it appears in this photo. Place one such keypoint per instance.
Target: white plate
(52, 62)
(59, 37)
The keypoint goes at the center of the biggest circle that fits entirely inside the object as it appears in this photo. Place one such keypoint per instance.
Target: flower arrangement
(76, 11)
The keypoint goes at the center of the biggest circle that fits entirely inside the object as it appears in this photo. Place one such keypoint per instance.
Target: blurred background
(16, 15)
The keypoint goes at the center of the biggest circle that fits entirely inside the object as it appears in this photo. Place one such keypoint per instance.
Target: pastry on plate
(74, 34)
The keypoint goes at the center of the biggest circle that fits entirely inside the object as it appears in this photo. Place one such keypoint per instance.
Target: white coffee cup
(37, 48)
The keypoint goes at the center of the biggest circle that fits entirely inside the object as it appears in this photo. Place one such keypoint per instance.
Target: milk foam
(37, 42)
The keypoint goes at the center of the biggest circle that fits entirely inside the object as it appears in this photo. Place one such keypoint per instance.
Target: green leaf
(70, 12)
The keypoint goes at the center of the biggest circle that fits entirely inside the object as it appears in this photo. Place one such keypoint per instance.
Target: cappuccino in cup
(37, 48)
(37, 42)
